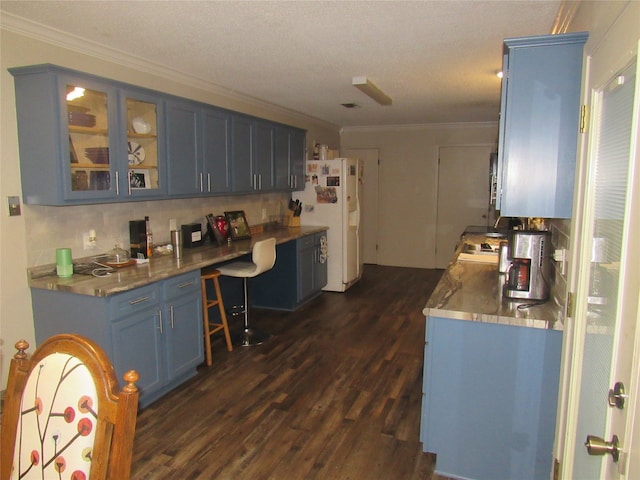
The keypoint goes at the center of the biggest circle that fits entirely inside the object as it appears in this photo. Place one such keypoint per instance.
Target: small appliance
(138, 238)
(529, 265)
(192, 235)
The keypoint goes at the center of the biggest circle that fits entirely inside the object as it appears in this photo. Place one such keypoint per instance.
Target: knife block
(290, 220)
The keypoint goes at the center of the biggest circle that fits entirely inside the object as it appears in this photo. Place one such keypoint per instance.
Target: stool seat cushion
(239, 269)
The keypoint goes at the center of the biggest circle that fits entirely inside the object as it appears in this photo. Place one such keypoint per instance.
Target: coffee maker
(528, 265)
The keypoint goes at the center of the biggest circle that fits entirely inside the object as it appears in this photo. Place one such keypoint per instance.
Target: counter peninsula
(491, 373)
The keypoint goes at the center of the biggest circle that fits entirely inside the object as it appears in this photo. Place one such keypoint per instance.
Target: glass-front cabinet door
(144, 153)
(89, 121)
(114, 152)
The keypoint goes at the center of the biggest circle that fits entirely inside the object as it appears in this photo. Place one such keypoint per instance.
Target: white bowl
(140, 125)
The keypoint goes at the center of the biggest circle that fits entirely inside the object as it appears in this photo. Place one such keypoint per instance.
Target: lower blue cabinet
(489, 399)
(297, 276)
(155, 330)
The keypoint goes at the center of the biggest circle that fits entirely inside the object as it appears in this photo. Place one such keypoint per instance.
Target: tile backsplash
(54, 227)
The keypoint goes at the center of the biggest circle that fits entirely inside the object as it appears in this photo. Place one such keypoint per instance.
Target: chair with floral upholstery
(64, 414)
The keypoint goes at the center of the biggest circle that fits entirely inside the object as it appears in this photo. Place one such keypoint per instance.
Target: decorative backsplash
(54, 227)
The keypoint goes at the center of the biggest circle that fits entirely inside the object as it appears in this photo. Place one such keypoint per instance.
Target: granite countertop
(473, 291)
(159, 267)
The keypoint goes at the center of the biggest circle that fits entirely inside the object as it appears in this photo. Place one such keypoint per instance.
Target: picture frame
(139, 179)
(238, 226)
(213, 231)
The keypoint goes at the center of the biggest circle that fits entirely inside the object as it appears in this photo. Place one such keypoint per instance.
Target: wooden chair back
(64, 414)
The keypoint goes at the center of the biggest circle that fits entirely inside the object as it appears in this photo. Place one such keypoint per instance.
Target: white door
(369, 215)
(603, 334)
(463, 195)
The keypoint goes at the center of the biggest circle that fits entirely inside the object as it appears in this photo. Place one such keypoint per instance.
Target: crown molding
(417, 126)
(46, 34)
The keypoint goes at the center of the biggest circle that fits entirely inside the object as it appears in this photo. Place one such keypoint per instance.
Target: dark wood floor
(334, 394)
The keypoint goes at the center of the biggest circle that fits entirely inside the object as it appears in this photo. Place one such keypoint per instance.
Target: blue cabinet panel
(539, 125)
(296, 277)
(192, 149)
(489, 402)
(155, 330)
(182, 148)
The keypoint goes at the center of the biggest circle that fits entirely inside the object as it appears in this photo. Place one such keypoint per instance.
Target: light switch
(14, 206)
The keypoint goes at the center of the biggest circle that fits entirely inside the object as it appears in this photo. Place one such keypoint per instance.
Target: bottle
(149, 237)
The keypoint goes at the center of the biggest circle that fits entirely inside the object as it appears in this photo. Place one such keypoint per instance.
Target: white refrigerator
(332, 198)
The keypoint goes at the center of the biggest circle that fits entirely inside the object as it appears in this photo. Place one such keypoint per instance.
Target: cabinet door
(137, 345)
(183, 325)
(289, 154)
(184, 335)
(216, 171)
(92, 156)
(263, 157)
(297, 154)
(539, 125)
(144, 138)
(281, 158)
(242, 130)
(306, 259)
(183, 155)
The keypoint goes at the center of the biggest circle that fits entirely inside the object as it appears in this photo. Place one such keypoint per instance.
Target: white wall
(31, 238)
(407, 188)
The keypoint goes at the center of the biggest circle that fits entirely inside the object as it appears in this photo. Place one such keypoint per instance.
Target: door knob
(597, 446)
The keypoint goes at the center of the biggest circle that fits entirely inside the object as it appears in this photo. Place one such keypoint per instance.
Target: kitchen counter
(473, 291)
(159, 267)
(491, 373)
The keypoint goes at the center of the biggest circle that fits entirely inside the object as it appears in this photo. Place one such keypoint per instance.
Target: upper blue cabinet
(84, 139)
(289, 155)
(539, 123)
(198, 148)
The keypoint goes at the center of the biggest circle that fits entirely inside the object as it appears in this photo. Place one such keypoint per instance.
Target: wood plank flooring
(334, 394)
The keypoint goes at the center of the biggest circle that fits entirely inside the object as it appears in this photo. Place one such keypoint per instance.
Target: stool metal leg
(249, 336)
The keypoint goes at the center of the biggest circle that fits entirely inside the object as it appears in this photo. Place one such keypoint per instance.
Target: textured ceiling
(436, 59)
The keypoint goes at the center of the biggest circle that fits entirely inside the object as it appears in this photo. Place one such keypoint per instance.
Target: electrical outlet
(14, 206)
(89, 240)
(172, 224)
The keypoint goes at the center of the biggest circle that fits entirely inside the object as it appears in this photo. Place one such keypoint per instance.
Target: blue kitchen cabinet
(155, 330)
(252, 150)
(263, 156)
(489, 399)
(242, 134)
(198, 145)
(75, 135)
(539, 125)
(297, 276)
(183, 324)
(289, 155)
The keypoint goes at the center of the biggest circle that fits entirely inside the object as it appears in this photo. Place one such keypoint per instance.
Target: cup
(176, 241)
(64, 265)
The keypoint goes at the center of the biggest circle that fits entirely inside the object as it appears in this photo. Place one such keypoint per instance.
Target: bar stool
(211, 327)
(263, 258)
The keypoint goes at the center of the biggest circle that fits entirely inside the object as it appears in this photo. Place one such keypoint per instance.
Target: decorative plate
(136, 153)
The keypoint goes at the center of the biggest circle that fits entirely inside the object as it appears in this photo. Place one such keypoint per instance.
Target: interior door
(463, 195)
(369, 206)
(605, 333)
